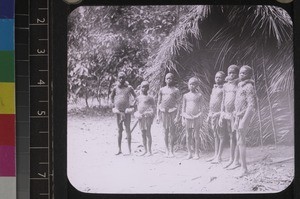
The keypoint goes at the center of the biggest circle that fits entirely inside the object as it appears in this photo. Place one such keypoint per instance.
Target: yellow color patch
(7, 98)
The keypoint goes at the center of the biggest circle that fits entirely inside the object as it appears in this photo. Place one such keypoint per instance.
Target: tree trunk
(86, 97)
(258, 109)
(269, 99)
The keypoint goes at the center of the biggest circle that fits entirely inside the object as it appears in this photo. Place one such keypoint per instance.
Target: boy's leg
(221, 135)
(236, 161)
(149, 137)
(215, 125)
(172, 138)
(166, 133)
(211, 129)
(197, 142)
(218, 149)
(120, 129)
(188, 136)
(127, 121)
(241, 143)
(164, 118)
(232, 143)
(144, 132)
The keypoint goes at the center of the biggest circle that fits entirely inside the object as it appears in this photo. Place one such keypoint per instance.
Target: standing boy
(167, 111)
(145, 115)
(244, 110)
(191, 115)
(120, 97)
(214, 116)
(227, 110)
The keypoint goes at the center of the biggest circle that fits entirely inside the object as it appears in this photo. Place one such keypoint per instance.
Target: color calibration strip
(7, 101)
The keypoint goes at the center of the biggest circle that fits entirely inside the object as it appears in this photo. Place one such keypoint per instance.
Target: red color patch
(7, 130)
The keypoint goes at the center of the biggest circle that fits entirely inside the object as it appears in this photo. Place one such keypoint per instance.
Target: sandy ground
(93, 167)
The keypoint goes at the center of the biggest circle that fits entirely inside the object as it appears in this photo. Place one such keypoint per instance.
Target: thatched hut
(210, 38)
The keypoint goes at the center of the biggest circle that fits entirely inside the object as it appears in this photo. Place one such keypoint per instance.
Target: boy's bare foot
(210, 159)
(242, 173)
(171, 155)
(120, 152)
(189, 156)
(196, 157)
(234, 166)
(216, 161)
(144, 153)
(149, 154)
(167, 154)
(228, 164)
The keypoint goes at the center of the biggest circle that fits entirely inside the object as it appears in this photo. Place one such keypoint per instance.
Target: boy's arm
(158, 100)
(178, 100)
(183, 106)
(135, 103)
(132, 92)
(222, 103)
(112, 96)
(201, 101)
(250, 104)
(152, 106)
(222, 108)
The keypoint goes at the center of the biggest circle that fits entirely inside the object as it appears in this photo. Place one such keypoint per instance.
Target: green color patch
(7, 66)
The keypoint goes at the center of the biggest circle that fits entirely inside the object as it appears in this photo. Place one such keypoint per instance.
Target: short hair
(248, 69)
(234, 67)
(120, 74)
(194, 79)
(145, 83)
(221, 73)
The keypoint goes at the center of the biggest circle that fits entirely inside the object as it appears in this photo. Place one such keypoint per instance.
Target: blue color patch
(7, 9)
(7, 34)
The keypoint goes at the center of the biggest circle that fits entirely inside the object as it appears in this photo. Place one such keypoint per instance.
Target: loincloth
(214, 120)
(241, 131)
(145, 123)
(167, 117)
(123, 117)
(192, 122)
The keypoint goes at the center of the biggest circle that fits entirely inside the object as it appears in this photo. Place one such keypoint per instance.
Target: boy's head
(193, 83)
(220, 77)
(233, 72)
(169, 79)
(245, 73)
(121, 77)
(145, 87)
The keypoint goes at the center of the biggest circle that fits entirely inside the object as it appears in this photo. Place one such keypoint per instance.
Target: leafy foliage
(105, 40)
(210, 38)
(146, 42)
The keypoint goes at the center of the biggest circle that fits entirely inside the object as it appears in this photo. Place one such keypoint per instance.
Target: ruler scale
(40, 128)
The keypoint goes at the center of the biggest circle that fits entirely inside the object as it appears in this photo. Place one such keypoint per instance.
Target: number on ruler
(40, 51)
(40, 20)
(40, 113)
(41, 82)
(44, 175)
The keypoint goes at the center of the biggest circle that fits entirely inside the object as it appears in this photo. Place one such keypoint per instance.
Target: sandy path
(93, 167)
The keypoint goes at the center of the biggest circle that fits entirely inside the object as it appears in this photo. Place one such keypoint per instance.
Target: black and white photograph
(180, 99)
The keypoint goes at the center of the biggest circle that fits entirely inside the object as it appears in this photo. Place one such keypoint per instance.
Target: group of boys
(231, 107)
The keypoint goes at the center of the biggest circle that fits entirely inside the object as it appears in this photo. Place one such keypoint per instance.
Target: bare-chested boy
(192, 116)
(244, 110)
(145, 115)
(214, 116)
(120, 97)
(227, 110)
(167, 111)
